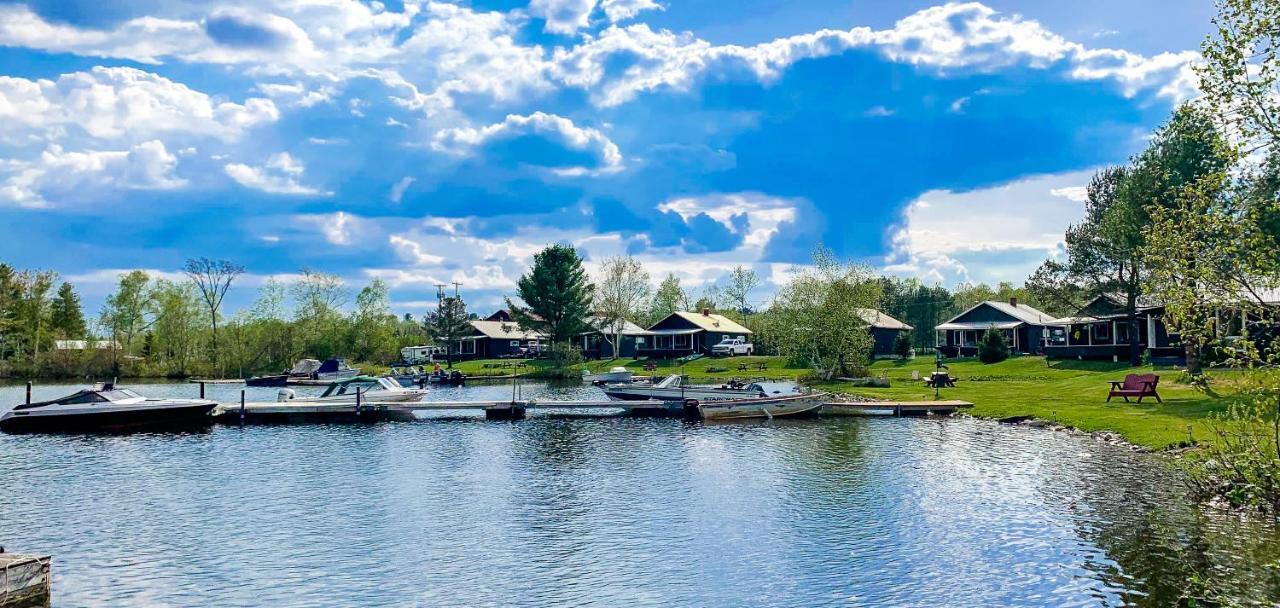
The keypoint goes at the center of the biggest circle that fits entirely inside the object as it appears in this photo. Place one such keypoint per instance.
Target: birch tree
(620, 296)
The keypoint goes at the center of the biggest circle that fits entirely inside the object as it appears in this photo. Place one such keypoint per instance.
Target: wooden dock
(894, 408)
(24, 580)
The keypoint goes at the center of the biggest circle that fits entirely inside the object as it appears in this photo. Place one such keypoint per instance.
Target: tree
(993, 348)
(669, 298)
(66, 318)
(213, 278)
(710, 300)
(175, 335)
(126, 312)
(373, 326)
(741, 281)
(318, 299)
(447, 324)
(34, 311)
(624, 286)
(556, 294)
(1240, 73)
(902, 344)
(815, 320)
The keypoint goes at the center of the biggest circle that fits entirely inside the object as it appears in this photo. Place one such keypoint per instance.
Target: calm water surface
(613, 512)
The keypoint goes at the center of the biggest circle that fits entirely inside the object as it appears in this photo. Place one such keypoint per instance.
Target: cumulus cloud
(109, 103)
(754, 218)
(279, 175)
(85, 174)
(569, 16)
(990, 234)
(603, 154)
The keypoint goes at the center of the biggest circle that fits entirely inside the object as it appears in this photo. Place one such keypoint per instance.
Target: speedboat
(103, 408)
(674, 388)
(447, 378)
(359, 399)
(409, 376)
(334, 369)
(614, 375)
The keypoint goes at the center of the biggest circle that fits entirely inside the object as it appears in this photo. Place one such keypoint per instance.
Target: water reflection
(615, 511)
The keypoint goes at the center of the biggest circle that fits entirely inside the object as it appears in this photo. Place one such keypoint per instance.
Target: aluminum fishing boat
(674, 388)
(106, 408)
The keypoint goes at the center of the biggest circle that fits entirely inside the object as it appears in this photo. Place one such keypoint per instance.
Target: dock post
(28, 392)
(202, 390)
(242, 407)
(357, 402)
(515, 411)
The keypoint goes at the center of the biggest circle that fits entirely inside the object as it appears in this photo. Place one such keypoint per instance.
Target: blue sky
(432, 142)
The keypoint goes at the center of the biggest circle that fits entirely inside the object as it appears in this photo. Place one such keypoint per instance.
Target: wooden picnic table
(746, 365)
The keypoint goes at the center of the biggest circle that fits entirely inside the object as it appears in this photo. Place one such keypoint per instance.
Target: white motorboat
(674, 388)
(105, 408)
(770, 407)
(614, 375)
(363, 388)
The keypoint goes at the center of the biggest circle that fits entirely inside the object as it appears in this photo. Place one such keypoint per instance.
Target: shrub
(902, 345)
(993, 348)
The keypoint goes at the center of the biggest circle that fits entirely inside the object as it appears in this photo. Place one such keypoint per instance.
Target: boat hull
(177, 417)
(676, 394)
(277, 380)
(775, 407)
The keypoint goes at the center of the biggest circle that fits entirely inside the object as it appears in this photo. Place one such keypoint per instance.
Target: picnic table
(939, 380)
(746, 365)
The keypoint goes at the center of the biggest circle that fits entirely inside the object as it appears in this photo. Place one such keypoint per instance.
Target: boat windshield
(349, 388)
(120, 394)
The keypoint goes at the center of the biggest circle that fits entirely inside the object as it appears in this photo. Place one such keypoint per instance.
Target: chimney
(1013, 302)
(706, 312)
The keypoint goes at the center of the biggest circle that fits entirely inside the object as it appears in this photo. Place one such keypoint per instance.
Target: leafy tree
(993, 348)
(918, 305)
(556, 294)
(175, 331)
(318, 300)
(373, 326)
(213, 278)
(966, 295)
(126, 313)
(33, 319)
(447, 324)
(66, 317)
(668, 298)
(624, 286)
(814, 321)
(1240, 75)
(737, 293)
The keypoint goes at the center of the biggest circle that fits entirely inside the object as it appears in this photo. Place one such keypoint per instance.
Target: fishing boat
(105, 408)
(769, 407)
(614, 375)
(306, 370)
(674, 388)
(383, 389)
(447, 378)
(409, 376)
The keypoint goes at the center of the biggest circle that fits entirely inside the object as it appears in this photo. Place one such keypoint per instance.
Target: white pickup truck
(732, 346)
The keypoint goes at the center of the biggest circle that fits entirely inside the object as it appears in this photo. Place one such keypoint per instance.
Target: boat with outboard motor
(676, 388)
(306, 371)
(771, 406)
(105, 407)
(359, 399)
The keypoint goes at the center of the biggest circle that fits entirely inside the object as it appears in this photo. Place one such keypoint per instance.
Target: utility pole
(456, 285)
(440, 292)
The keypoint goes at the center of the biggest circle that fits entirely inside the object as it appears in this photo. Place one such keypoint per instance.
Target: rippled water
(613, 512)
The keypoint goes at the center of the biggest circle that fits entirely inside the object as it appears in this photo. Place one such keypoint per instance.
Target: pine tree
(447, 323)
(993, 348)
(556, 294)
(67, 318)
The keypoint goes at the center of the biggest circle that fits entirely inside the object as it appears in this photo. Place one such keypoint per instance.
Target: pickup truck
(732, 346)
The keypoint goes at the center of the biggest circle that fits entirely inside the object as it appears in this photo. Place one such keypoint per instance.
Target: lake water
(613, 512)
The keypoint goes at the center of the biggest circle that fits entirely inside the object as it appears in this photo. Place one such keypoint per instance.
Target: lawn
(1072, 393)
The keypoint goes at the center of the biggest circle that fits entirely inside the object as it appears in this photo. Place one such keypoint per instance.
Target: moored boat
(614, 375)
(764, 407)
(674, 388)
(106, 408)
(358, 399)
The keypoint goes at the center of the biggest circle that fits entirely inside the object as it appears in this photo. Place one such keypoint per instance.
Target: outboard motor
(285, 394)
(690, 410)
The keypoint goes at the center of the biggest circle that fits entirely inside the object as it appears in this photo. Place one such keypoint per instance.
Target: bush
(902, 345)
(993, 348)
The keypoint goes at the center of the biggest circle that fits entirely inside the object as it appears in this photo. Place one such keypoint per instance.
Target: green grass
(1072, 393)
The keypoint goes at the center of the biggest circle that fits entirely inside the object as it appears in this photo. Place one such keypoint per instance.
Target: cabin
(1100, 331)
(495, 340)
(884, 332)
(682, 333)
(595, 343)
(1026, 330)
(501, 314)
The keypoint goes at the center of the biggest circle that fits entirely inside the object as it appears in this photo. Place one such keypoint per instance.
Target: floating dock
(24, 580)
(894, 408)
(302, 411)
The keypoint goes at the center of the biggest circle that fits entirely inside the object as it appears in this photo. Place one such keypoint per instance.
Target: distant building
(494, 340)
(884, 331)
(85, 344)
(595, 343)
(1026, 330)
(686, 333)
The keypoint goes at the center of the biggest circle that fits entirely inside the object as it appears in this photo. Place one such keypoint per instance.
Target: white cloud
(81, 176)
(1078, 194)
(397, 191)
(465, 140)
(878, 111)
(126, 103)
(338, 228)
(957, 106)
(621, 10)
(279, 175)
(765, 214)
(569, 16)
(1005, 230)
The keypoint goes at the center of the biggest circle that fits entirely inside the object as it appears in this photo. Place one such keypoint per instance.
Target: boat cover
(304, 367)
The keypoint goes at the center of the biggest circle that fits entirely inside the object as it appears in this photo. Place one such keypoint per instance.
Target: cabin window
(640, 342)
(1101, 332)
(515, 343)
(683, 341)
(467, 347)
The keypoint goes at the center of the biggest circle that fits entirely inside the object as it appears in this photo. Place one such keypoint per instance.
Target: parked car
(729, 347)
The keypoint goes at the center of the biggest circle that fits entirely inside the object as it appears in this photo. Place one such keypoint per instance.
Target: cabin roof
(1021, 313)
(504, 330)
(599, 325)
(708, 322)
(879, 320)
